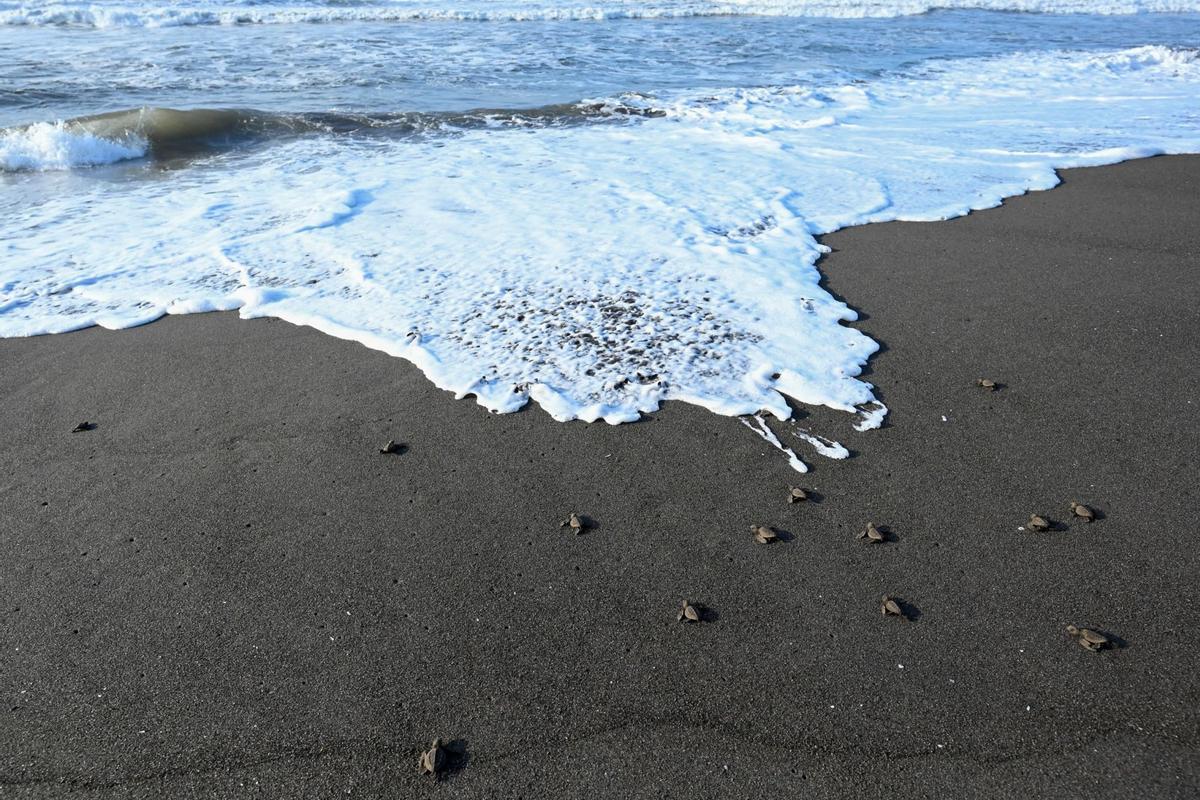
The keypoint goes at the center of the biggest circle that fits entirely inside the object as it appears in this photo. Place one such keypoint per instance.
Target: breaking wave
(244, 12)
(166, 133)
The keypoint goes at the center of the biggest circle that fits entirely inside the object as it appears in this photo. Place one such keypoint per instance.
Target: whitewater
(595, 207)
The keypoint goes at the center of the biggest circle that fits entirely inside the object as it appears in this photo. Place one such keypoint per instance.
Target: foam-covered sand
(224, 585)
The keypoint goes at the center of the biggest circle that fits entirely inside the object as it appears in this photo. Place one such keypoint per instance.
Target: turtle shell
(688, 613)
(764, 534)
(1082, 512)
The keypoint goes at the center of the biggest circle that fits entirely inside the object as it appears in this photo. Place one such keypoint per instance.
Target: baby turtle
(1088, 639)
(688, 613)
(433, 760)
(797, 495)
(873, 535)
(1039, 524)
(890, 607)
(391, 448)
(987, 383)
(764, 534)
(575, 522)
(1082, 512)
(83, 426)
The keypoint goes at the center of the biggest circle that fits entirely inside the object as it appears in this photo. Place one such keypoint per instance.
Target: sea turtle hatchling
(1089, 639)
(688, 612)
(433, 760)
(1082, 512)
(391, 448)
(890, 607)
(797, 495)
(872, 534)
(1039, 524)
(987, 383)
(576, 523)
(764, 534)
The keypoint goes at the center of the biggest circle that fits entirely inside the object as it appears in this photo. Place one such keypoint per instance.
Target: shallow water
(595, 214)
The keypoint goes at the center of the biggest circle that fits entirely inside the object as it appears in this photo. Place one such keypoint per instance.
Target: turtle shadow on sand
(908, 611)
(783, 535)
(393, 448)
(579, 524)
(695, 612)
(1050, 525)
(814, 496)
(911, 612)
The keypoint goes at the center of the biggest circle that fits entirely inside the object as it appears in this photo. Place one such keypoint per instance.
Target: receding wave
(244, 12)
(170, 133)
(598, 268)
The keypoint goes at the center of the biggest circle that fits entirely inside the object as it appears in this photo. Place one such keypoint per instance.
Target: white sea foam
(242, 12)
(597, 269)
(760, 427)
(56, 146)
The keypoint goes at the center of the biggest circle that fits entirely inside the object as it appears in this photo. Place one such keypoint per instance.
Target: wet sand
(225, 590)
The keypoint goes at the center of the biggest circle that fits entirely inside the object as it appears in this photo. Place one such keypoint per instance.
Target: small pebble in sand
(764, 534)
(1039, 524)
(987, 383)
(797, 495)
(433, 760)
(688, 613)
(1089, 639)
(392, 448)
(83, 426)
(890, 607)
(872, 534)
(1082, 512)
(576, 523)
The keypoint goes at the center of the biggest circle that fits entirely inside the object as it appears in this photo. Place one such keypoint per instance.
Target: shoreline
(227, 586)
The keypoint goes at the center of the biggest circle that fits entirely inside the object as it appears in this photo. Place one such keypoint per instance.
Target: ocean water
(594, 206)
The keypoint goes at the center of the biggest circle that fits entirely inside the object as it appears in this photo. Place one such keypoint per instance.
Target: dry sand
(224, 590)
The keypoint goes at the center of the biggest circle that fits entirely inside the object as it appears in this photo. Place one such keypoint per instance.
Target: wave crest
(58, 145)
(242, 12)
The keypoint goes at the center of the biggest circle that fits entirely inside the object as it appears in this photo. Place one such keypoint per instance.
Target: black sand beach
(225, 590)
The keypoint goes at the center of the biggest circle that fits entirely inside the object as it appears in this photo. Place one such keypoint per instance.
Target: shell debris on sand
(391, 448)
(1037, 523)
(797, 495)
(83, 426)
(987, 383)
